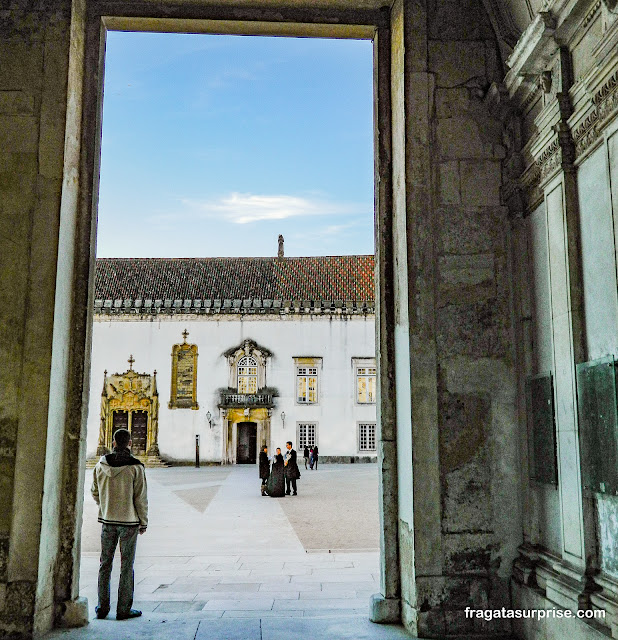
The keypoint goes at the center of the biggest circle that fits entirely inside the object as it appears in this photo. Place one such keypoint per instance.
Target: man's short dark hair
(289, 442)
(122, 437)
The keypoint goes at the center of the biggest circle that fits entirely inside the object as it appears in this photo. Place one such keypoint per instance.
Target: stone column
(415, 323)
(456, 422)
(43, 363)
(385, 606)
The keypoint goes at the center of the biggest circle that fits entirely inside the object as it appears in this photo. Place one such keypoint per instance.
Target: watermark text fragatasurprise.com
(538, 614)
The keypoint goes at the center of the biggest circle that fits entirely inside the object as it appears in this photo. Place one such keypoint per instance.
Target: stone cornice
(526, 190)
(534, 48)
(604, 107)
(148, 308)
(591, 14)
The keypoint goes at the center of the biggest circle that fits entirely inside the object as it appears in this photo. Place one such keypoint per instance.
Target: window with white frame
(307, 434)
(367, 436)
(247, 375)
(306, 384)
(365, 383)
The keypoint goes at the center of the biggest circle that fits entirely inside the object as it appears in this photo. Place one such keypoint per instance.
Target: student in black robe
(292, 472)
(275, 487)
(264, 467)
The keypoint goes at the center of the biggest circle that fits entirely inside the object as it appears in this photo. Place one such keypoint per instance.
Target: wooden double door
(137, 423)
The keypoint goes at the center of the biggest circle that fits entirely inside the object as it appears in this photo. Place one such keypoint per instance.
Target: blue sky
(213, 145)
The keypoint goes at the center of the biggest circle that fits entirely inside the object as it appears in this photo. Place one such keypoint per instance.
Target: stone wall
(40, 124)
(460, 508)
(33, 75)
(561, 192)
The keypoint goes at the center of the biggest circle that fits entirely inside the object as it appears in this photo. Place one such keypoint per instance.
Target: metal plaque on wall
(541, 429)
(598, 424)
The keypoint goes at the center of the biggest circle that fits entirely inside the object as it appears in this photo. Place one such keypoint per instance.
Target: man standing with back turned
(119, 488)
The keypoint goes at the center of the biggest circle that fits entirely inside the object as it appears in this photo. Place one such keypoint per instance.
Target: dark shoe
(295, 493)
(101, 613)
(287, 493)
(133, 613)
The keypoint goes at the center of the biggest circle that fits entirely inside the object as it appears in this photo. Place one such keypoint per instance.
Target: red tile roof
(314, 279)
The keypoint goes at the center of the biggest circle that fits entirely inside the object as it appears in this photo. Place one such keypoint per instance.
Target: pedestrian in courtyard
(311, 458)
(119, 488)
(275, 487)
(264, 468)
(306, 455)
(292, 472)
(316, 455)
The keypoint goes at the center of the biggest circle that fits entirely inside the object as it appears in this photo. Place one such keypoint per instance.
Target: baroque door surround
(130, 392)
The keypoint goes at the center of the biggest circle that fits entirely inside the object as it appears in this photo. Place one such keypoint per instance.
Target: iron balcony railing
(232, 399)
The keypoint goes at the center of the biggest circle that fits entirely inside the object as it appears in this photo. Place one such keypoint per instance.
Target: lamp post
(283, 418)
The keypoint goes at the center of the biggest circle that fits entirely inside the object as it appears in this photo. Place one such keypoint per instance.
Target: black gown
(275, 487)
(264, 466)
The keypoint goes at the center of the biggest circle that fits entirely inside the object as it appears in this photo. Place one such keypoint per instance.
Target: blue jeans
(110, 535)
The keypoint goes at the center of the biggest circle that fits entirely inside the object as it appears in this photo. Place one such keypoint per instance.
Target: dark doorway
(139, 430)
(119, 421)
(246, 448)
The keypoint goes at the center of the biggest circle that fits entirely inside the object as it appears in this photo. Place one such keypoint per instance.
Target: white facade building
(253, 370)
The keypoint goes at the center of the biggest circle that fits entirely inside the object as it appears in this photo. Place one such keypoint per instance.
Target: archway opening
(248, 395)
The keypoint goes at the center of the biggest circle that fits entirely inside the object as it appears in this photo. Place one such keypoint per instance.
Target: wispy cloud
(243, 208)
(231, 76)
(330, 231)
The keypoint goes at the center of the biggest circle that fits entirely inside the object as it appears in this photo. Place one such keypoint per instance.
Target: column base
(73, 613)
(384, 610)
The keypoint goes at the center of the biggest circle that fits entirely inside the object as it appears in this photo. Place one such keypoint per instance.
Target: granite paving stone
(348, 628)
(241, 630)
(245, 587)
(281, 613)
(246, 595)
(180, 607)
(324, 603)
(319, 595)
(224, 571)
(246, 604)
(269, 587)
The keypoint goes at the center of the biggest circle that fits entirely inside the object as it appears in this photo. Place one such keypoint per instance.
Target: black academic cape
(291, 470)
(264, 465)
(275, 487)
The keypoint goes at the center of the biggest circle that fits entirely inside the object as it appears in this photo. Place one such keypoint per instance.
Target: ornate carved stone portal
(130, 400)
(246, 404)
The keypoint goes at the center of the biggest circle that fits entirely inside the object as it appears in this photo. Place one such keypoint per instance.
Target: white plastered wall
(337, 341)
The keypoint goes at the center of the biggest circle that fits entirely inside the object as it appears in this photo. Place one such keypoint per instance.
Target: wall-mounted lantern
(209, 418)
(283, 418)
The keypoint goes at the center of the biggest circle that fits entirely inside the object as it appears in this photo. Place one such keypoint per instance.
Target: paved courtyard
(221, 561)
